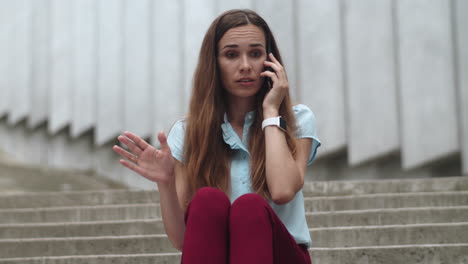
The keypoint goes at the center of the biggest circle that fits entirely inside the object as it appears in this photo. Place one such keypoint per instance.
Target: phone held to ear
(268, 79)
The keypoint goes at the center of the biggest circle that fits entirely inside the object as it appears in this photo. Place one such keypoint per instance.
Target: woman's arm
(159, 166)
(285, 176)
(173, 199)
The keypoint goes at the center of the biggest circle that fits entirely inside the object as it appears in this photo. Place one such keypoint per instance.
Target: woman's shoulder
(175, 138)
(178, 127)
(305, 121)
(306, 128)
(303, 114)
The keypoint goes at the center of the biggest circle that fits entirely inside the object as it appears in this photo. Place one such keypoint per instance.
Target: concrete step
(361, 236)
(23, 178)
(367, 236)
(356, 187)
(310, 189)
(414, 254)
(80, 213)
(408, 254)
(315, 220)
(82, 229)
(32, 247)
(159, 258)
(79, 198)
(391, 216)
(315, 204)
(390, 200)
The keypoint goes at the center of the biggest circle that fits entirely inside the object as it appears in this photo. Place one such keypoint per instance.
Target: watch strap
(274, 121)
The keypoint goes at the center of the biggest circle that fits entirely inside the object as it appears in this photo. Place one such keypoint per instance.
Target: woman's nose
(245, 64)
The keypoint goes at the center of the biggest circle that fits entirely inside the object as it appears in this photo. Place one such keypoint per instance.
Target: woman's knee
(209, 199)
(249, 207)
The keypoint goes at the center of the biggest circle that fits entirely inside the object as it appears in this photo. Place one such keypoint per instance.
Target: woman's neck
(238, 108)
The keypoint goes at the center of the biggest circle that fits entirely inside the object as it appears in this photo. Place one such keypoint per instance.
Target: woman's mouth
(246, 82)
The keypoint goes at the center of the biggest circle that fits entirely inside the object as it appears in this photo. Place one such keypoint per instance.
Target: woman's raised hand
(280, 88)
(154, 164)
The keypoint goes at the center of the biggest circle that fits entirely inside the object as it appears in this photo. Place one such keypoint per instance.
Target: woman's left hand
(279, 89)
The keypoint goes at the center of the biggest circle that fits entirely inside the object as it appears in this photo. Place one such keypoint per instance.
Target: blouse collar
(230, 136)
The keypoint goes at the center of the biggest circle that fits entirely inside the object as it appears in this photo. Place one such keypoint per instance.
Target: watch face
(282, 123)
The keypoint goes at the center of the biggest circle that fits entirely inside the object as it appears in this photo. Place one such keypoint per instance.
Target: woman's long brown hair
(206, 155)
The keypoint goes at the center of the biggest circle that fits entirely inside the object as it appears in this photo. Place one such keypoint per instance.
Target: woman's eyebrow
(231, 46)
(256, 45)
(236, 46)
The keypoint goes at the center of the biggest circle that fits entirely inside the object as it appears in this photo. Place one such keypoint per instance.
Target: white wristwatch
(274, 121)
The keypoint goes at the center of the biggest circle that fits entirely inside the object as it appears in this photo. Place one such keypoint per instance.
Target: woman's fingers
(270, 74)
(130, 145)
(163, 141)
(273, 65)
(276, 66)
(133, 167)
(138, 140)
(273, 59)
(125, 154)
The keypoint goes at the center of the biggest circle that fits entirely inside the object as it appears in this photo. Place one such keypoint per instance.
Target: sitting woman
(230, 174)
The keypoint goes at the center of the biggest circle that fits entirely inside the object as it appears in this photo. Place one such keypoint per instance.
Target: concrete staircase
(382, 221)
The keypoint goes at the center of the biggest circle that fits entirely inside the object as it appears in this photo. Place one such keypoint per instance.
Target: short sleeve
(306, 128)
(175, 139)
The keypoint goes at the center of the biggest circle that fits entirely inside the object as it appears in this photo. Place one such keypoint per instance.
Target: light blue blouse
(293, 213)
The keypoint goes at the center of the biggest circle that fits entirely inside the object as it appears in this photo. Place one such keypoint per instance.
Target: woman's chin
(244, 91)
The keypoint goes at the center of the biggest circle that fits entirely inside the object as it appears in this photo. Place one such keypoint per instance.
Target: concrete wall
(384, 78)
(460, 22)
(427, 87)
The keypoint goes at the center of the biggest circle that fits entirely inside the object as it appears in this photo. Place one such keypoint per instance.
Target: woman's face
(241, 53)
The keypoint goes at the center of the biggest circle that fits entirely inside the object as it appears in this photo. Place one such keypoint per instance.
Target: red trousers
(248, 231)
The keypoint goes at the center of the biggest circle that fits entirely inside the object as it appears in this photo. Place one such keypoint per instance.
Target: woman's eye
(256, 53)
(231, 54)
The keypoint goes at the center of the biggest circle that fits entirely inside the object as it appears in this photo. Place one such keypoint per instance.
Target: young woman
(230, 174)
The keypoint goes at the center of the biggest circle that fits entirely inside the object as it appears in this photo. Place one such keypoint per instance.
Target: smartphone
(268, 79)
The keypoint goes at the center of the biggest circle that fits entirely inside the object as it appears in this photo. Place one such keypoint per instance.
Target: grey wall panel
(21, 61)
(57, 154)
(40, 62)
(60, 110)
(6, 30)
(110, 97)
(280, 18)
(59, 149)
(84, 66)
(4, 139)
(29, 146)
(81, 153)
(135, 180)
(21, 144)
(8, 141)
(197, 17)
(461, 26)
(137, 55)
(167, 78)
(106, 162)
(224, 5)
(371, 80)
(65, 152)
(427, 92)
(17, 136)
(36, 142)
(320, 69)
